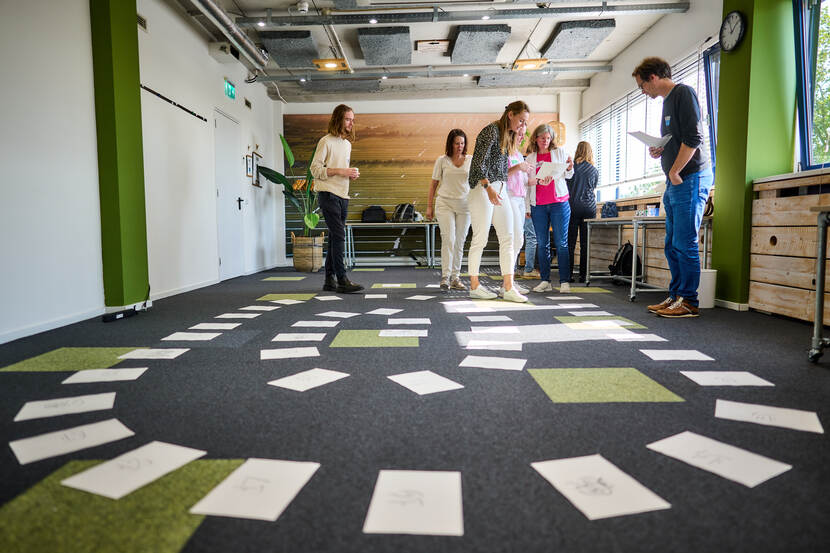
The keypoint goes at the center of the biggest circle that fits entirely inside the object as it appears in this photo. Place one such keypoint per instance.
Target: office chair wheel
(814, 355)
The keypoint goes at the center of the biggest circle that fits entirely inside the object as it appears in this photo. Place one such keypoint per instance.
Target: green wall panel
(120, 152)
(756, 137)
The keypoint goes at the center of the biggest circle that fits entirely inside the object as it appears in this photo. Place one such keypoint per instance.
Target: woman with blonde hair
(582, 198)
(488, 199)
(547, 202)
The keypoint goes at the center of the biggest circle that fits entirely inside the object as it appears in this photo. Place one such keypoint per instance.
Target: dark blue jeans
(557, 216)
(335, 209)
(684, 204)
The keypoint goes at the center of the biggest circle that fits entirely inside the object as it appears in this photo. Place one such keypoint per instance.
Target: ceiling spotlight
(485, 17)
(384, 77)
(373, 21)
(529, 64)
(302, 79)
(261, 23)
(465, 75)
(332, 64)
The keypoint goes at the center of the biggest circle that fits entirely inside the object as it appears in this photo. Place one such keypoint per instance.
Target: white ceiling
(527, 36)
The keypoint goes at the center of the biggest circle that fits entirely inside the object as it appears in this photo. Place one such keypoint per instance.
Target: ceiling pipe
(425, 71)
(461, 15)
(232, 32)
(341, 53)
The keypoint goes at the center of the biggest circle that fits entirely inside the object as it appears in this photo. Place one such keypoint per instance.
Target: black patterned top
(488, 161)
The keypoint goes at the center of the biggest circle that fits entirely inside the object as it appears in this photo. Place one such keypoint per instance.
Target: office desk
(819, 342)
(637, 223)
(427, 226)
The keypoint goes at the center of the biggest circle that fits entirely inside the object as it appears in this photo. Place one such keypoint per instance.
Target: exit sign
(230, 90)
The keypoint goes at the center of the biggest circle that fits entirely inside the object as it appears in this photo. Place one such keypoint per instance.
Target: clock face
(732, 31)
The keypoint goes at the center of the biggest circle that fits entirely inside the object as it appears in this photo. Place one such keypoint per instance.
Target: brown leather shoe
(662, 305)
(331, 284)
(680, 308)
(346, 286)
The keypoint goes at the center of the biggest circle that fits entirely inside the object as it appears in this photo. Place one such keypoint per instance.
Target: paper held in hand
(551, 169)
(651, 141)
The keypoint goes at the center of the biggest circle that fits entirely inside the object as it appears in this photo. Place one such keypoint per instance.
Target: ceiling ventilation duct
(342, 85)
(235, 35)
(577, 39)
(479, 43)
(511, 80)
(290, 48)
(385, 45)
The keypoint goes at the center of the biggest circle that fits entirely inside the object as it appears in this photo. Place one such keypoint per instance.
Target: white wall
(179, 156)
(50, 230)
(672, 38)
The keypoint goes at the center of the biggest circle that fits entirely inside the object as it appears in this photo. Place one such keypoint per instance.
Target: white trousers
(518, 205)
(454, 222)
(482, 215)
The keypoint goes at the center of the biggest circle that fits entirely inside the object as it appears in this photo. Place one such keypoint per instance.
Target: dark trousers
(576, 226)
(335, 209)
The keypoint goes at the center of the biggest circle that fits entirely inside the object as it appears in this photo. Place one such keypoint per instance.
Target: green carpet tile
(620, 384)
(70, 359)
(274, 297)
(50, 517)
(370, 339)
(588, 290)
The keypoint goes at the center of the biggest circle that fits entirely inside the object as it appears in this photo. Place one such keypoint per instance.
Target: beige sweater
(332, 153)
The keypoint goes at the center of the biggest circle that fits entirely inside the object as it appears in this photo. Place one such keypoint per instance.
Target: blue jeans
(557, 216)
(530, 245)
(684, 204)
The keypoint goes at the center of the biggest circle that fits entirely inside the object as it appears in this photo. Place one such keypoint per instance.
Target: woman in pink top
(547, 201)
(517, 176)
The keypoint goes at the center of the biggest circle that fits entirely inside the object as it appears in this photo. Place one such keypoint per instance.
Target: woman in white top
(449, 179)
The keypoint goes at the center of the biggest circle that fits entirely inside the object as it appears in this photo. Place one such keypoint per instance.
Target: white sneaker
(543, 286)
(514, 295)
(501, 291)
(481, 293)
(520, 289)
(564, 287)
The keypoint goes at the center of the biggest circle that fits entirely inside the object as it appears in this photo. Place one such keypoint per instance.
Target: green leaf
(310, 180)
(289, 155)
(311, 220)
(279, 178)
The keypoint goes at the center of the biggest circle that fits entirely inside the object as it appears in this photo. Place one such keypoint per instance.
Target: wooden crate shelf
(784, 242)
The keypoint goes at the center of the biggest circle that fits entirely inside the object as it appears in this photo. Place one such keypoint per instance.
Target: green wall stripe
(756, 135)
(120, 151)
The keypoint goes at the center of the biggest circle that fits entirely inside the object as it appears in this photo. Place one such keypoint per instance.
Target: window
(812, 36)
(624, 166)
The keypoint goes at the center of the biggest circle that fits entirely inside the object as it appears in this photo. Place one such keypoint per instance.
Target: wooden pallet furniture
(782, 269)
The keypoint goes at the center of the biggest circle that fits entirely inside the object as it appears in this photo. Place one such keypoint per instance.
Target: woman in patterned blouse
(488, 199)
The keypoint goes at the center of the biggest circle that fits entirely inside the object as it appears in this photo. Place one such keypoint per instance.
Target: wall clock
(732, 31)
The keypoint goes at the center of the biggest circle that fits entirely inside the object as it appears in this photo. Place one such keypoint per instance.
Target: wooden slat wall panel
(784, 300)
(791, 211)
(788, 241)
(796, 272)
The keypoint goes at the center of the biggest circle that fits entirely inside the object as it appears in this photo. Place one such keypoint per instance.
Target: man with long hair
(332, 174)
(688, 181)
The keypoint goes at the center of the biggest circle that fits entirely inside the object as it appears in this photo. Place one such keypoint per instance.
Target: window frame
(806, 23)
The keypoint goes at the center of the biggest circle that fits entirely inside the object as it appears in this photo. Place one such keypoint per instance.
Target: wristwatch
(485, 185)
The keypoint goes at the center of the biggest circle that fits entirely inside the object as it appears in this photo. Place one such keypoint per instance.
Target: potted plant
(308, 250)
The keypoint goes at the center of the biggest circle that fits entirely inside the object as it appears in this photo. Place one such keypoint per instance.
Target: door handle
(239, 203)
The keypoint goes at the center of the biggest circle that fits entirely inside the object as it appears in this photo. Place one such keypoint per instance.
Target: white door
(230, 173)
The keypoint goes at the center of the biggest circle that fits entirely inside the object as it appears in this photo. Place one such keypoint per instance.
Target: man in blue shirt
(688, 181)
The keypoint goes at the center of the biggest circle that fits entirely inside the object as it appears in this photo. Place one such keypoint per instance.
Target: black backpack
(609, 209)
(373, 214)
(621, 265)
(404, 213)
